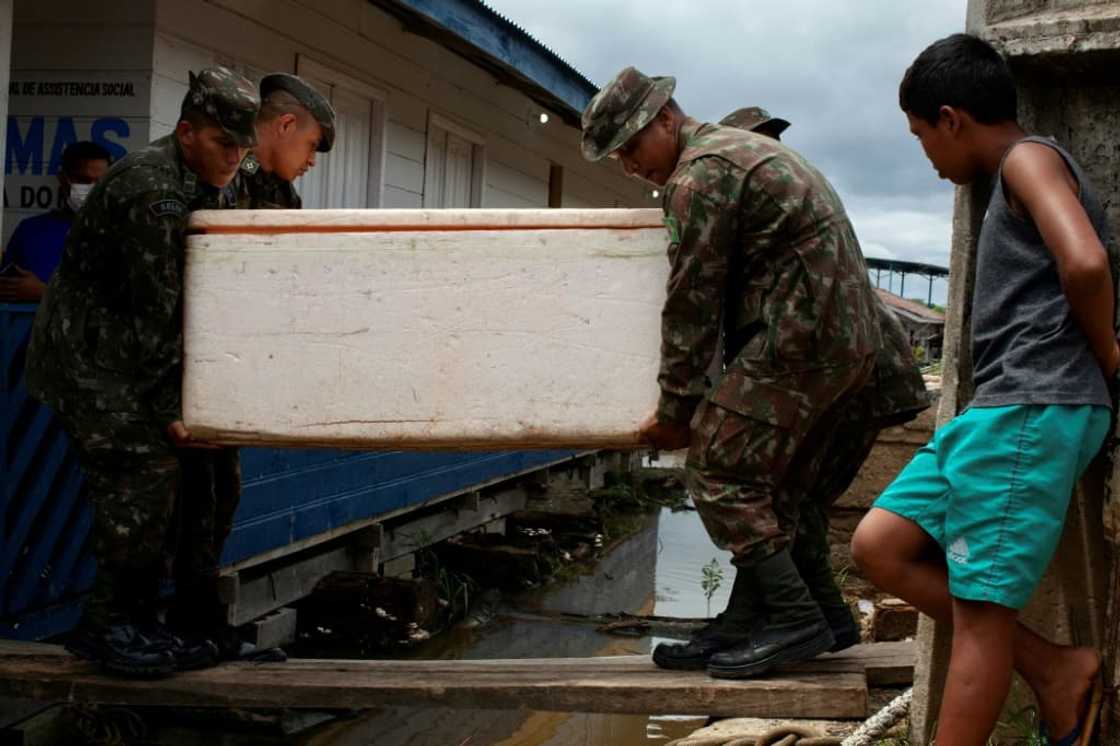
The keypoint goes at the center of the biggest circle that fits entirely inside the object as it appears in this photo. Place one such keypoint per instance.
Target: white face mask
(78, 194)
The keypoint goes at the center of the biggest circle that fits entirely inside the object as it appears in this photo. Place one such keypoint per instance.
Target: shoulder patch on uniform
(163, 207)
(250, 165)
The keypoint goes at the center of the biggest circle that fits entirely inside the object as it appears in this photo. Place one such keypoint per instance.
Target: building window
(351, 174)
(453, 165)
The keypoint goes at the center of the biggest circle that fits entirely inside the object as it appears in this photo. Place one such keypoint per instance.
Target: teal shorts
(992, 489)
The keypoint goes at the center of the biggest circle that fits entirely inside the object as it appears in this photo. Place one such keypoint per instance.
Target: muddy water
(658, 570)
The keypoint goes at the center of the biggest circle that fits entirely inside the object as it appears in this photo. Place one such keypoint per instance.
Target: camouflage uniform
(895, 394)
(105, 350)
(257, 189)
(212, 479)
(752, 222)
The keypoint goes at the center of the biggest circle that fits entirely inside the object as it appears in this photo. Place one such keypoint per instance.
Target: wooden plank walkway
(833, 686)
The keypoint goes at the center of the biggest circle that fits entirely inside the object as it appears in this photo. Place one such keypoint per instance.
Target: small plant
(711, 580)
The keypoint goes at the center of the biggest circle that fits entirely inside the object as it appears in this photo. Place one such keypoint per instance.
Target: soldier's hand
(664, 436)
(181, 437)
(22, 286)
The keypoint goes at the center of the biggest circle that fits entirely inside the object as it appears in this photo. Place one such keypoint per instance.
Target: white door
(452, 169)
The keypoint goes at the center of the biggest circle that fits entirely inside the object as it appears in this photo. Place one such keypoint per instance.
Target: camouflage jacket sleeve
(700, 213)
(152, 253)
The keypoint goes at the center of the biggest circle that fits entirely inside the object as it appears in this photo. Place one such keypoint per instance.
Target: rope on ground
(795, 735)
(882, 721)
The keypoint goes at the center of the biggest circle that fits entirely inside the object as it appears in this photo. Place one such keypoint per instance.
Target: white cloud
(832, 68)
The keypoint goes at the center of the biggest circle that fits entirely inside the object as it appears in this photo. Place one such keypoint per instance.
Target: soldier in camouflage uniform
(756, 119)
(895, 394)
(294, 123)
(105, 354)
(761, 248)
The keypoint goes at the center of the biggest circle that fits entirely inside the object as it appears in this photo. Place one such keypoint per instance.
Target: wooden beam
(884, 663)
(625, 684)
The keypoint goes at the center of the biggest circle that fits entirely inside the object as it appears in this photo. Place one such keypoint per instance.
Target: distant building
(924, 325)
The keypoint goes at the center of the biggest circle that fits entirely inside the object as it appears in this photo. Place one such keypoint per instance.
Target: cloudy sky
(831, 67)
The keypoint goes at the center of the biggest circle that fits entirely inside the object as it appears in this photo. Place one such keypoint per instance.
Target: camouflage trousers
(210, 494)
(767, 452)
(132, 476)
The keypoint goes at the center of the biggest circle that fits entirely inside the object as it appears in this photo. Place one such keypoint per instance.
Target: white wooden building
(441, 103)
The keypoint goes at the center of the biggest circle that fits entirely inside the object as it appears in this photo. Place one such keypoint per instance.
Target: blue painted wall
(289, 495)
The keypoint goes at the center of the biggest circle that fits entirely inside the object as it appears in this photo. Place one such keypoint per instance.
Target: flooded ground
(658, 570)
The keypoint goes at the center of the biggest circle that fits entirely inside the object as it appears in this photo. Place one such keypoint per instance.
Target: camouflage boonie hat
(621, 109)
(227, 98)
(757, 119)
(311, 100)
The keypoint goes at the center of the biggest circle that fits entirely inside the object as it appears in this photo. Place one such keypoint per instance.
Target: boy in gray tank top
(968, 528)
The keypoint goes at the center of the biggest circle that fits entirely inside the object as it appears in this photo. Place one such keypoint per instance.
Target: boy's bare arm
(1039, 183)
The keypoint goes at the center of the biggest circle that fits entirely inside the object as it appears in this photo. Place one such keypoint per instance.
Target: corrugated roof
(922, 312)
(487, 38)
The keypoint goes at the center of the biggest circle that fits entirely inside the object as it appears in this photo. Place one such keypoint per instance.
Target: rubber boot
(198, 616)
(795, 629)
(190, 655)
(811, 556)
(730, 628)
(121, 648)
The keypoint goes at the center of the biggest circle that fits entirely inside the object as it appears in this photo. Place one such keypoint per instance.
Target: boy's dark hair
(964, 72)
(83, 150)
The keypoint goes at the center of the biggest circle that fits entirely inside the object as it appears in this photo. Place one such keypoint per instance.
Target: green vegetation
(711, 580)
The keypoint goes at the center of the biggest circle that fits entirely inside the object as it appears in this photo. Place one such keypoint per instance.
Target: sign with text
(48, 110)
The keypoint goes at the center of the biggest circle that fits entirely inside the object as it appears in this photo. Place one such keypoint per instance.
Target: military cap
(309, 98)
(757, 119)
(227, 98)
(621, 109)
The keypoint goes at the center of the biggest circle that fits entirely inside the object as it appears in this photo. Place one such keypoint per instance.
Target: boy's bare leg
(898, 556)
(979, 673)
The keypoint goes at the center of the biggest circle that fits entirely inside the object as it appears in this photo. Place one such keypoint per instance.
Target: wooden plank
(476, 328)
(884, 663)
(628, 684)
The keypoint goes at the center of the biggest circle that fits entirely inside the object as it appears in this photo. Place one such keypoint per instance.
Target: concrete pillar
(1064, 54)
(5, 76)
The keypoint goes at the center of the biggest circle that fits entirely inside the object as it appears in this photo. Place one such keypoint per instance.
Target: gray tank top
(1026, 345)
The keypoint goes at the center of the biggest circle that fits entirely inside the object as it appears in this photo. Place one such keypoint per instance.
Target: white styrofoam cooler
(423, 328)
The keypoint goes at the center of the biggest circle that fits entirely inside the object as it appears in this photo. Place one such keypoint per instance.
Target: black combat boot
(198, 616)
(730, 628)
(122, 649)
(190, 655)
(795, 629)
(815, 568)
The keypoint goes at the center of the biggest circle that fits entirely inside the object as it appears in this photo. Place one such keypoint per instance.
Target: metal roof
(912, 268)
(488, 39)
(915, 310)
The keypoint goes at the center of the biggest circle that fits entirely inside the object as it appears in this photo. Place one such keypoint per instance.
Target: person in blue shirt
(35, 249)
